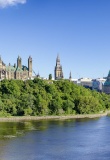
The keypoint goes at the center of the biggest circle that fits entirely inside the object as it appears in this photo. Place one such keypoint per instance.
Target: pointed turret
(70, 76)
(58, 69)
(19, 62)
(30, 66)
(58, 58)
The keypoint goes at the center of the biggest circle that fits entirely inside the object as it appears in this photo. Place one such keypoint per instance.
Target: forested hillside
(42, 97)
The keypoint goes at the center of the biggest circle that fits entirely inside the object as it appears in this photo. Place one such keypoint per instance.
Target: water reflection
(13, 129)
(55, 139)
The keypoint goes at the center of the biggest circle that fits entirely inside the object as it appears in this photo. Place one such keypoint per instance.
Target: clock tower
(58, 72)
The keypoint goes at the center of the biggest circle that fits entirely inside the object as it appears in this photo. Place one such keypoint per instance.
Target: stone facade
(58, 72)
(97, 85)
(106, 87)
(18, 71)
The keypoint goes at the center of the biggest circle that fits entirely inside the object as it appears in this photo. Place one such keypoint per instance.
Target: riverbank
(26, 118)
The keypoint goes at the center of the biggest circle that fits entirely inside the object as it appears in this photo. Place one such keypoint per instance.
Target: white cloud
(6, 3)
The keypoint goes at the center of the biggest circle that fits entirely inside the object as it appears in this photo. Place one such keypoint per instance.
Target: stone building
(97, 84)
(18, 71)
(58, 72)
(85, 82)
(106, 86)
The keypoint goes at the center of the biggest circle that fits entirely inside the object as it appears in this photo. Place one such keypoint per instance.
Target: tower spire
(58, 57)
(58, 69)
(30, 67)
(19, 62)
(70, 76)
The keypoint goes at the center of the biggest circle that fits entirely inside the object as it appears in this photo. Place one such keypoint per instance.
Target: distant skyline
(77, 30)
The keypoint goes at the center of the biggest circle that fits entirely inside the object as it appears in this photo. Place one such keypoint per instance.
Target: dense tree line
(42, 97)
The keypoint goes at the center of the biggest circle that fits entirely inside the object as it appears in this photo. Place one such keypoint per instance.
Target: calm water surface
(83, 139)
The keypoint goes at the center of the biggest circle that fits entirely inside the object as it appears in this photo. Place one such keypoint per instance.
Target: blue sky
(79, 30)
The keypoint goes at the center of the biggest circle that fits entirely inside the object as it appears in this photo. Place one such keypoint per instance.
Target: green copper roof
(10, 68)
(107, 82)
(109, 73)
(19, 69)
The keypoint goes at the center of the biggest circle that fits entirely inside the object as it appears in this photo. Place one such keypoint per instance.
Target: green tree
(50, 76)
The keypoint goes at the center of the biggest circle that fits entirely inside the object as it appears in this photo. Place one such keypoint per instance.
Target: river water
(72, 139)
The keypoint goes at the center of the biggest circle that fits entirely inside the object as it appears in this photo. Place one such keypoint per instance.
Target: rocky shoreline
(26, 118)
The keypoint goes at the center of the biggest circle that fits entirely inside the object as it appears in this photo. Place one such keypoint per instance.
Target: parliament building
(58, 72)
(18, 71)
(106, 86)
